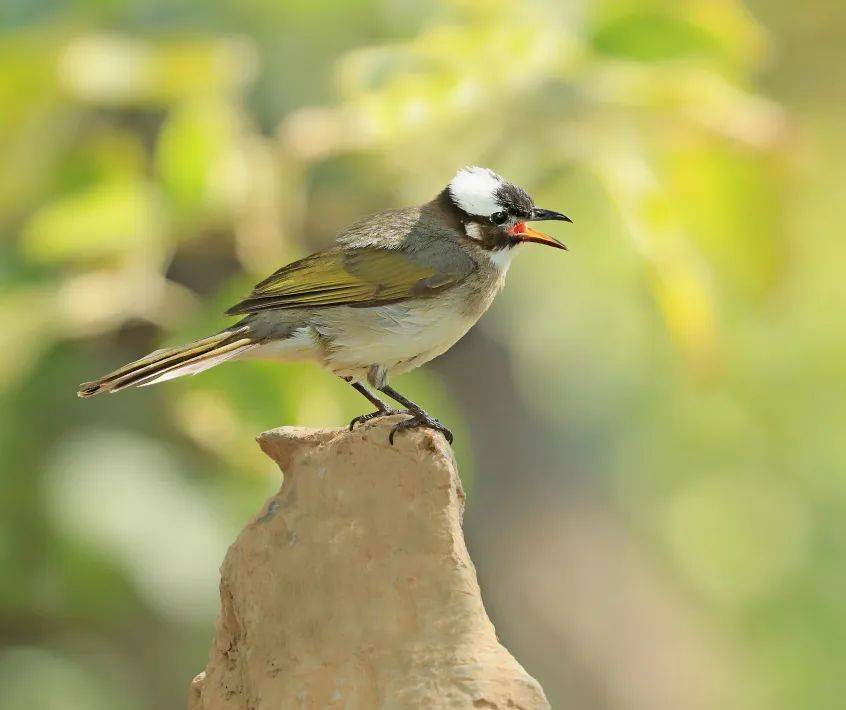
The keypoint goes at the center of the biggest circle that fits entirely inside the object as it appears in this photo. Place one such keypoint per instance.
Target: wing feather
(364, 276)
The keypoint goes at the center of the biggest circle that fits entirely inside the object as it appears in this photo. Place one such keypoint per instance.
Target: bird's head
(495, 212)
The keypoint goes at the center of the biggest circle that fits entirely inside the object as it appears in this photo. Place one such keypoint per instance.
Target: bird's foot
(387, 412)
(418, 419)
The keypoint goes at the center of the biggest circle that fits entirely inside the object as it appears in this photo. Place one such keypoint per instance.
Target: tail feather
(197, 364)
(166, 364)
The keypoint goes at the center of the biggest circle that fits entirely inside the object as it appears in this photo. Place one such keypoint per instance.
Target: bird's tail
(163, 365)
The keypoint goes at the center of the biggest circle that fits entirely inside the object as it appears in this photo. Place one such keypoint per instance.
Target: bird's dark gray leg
(419, 417)
(382, 408)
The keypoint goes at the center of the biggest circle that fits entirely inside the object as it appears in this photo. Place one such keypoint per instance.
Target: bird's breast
(400, 336)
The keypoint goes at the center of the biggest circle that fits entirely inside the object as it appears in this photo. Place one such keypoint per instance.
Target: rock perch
(353, 587)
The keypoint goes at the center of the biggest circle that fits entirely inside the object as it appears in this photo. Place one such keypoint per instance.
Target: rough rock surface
(353, 587)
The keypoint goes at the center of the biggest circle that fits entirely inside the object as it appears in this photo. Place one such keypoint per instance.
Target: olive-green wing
(367, 276)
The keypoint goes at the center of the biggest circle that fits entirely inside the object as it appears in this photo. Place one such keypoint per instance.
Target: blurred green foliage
(156, 159)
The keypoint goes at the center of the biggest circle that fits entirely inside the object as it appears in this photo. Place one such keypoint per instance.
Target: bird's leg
(419, 417)
(382, 409)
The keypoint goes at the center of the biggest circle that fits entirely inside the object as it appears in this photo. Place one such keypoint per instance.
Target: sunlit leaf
(729, 201)
(124, 70)
(721, 32)
(107, 219)
(650, 35)
(199, 158)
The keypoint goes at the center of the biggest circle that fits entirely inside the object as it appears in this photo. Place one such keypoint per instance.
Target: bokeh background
(651, 428)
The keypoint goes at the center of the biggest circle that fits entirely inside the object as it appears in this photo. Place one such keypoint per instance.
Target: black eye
(499, 217)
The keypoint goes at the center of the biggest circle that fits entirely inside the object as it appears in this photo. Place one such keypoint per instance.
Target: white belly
(398, 336)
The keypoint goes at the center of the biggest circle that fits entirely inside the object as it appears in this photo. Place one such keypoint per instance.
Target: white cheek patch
(474, 190)
(474, 231)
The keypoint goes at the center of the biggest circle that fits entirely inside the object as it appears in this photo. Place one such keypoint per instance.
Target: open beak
(527, 234)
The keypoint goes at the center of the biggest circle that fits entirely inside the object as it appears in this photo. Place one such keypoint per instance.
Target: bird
(395, 290)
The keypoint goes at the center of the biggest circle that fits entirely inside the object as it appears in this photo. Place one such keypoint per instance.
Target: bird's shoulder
(418, 232)
(388, 229)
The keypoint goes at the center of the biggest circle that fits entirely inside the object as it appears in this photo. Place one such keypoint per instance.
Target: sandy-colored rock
(353, 587)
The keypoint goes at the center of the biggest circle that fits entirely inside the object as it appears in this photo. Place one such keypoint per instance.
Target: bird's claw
(361, 418)
(419, 419)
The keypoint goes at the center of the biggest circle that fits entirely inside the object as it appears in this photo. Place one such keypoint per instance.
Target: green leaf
(195, 156)
(652, 35)
(108, 219)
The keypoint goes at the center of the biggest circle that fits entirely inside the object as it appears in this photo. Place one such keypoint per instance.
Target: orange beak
(526, 234)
